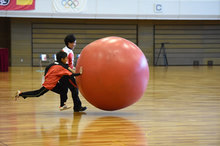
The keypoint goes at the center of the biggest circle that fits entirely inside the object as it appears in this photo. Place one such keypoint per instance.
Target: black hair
(61, 55)
(70, 38)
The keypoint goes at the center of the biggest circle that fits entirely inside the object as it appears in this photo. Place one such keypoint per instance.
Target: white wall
(125, 9)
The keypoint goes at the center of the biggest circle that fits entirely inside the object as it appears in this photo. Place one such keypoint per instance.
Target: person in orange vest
(53, 73)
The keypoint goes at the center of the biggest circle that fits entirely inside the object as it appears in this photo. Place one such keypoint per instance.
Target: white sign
(43, 57)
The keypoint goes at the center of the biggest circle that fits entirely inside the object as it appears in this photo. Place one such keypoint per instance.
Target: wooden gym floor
(181, 107)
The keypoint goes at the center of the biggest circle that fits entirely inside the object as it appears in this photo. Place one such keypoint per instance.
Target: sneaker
(81, 109)
(65, 107)
(17, 94)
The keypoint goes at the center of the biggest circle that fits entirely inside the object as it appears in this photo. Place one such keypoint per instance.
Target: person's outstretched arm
(76, 74)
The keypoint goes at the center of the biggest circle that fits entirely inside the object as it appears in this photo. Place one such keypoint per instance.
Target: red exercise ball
(115, 73)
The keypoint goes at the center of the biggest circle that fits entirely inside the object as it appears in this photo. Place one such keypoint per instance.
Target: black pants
(34, 93)
(59, 89)
(70, 83)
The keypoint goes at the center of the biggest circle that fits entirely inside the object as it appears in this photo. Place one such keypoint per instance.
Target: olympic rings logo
(4, 2)
(70, 3)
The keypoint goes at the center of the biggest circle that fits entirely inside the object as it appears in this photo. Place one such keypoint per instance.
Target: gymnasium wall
(189, 44)
(191, 28)
(188, 41)
(21, 43)
(43, 36)
(47, 38)
(121, 9)
(4, 33)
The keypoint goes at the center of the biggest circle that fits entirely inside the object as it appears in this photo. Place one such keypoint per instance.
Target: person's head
(61, 57)
(70, 41)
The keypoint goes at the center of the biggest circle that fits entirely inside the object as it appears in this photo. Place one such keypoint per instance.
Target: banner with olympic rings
(17, 4)
(69, 5)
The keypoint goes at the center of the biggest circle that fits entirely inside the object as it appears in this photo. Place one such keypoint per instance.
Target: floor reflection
(113, 131)
(65, 133)
(107, 130)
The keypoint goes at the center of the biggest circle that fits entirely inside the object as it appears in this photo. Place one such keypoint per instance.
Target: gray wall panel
(48, 38)
(186, 43)
(21, 49)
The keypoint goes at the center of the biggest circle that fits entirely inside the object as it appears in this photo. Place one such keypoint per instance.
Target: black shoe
(81, 109)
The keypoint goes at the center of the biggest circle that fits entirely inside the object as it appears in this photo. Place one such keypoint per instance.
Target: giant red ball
(115, 73)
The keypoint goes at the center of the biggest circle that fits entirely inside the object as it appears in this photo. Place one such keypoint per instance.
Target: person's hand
(81, 70)
(73, 71)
